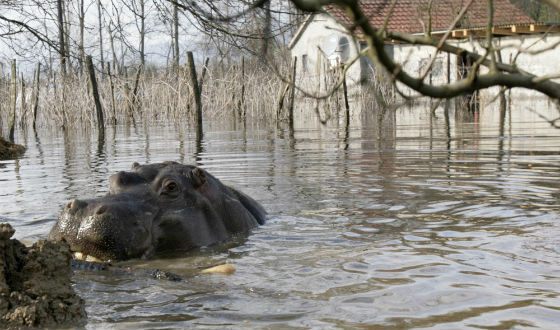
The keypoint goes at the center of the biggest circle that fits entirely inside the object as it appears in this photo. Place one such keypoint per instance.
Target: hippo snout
(107, 228)
(75, 205)
(104, 210)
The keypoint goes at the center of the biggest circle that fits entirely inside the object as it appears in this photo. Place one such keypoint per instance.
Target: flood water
(420, 222)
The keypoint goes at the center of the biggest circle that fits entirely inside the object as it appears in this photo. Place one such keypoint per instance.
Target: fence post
(35, 96)
(23, 105)
(13, 105)
(197, 96)
(242, 110)
(346, 103)
(203, 74)
(292, 94)
(112, 87)
(95, 94)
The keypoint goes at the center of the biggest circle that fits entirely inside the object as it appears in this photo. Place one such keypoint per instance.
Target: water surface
(426, 222)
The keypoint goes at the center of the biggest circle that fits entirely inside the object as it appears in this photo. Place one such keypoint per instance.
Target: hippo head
(156, 208)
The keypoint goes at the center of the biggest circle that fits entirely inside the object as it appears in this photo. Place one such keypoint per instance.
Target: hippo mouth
(84, 257)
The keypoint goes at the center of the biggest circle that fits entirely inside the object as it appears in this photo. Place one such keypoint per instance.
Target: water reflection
(403, 218)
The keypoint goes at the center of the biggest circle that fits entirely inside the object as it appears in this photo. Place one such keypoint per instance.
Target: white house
(324, 41)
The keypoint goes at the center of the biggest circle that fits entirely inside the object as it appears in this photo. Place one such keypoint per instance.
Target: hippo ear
(197, 176)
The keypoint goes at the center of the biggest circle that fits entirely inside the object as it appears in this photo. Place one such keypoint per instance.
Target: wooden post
(203, 74)
(242, 111)
(281, 95)
(95, 93)
(12, 120)
(448, 68)
(23, 106)
(36, 94)
(197, 96)
(346, 103)
(112, 87)
(134, 100)
(292, 94)
(2, 86)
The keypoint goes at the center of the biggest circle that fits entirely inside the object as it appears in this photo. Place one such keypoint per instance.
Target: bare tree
(61, 36)
(138, 9)
(81, 23)
(250, 26)
(175, 30)
(101, 53)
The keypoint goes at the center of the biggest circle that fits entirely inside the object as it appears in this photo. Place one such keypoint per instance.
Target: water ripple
(404, 232)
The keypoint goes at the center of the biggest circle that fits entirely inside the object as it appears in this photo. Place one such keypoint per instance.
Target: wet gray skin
(155, 209)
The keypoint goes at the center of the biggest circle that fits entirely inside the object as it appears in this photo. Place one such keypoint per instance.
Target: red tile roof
(412, 15)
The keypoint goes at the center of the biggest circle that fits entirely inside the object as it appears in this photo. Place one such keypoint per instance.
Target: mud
(35, 284)
(10, 150)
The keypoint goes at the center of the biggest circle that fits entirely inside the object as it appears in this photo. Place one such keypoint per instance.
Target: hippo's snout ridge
(75, 205)
(143, 213)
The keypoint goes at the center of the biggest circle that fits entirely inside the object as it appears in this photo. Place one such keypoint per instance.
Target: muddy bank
(35, 288)
(10, 150)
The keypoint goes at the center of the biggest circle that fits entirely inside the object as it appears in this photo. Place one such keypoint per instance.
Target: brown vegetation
(153, 95)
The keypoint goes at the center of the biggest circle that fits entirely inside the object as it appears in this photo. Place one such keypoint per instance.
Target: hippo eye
(170, 188)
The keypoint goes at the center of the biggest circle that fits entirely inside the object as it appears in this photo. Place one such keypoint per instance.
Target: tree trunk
(266, 31)
(142, 33)
(175, 37)
(61, 41)
(116, 71)
(100, 20)
(67, 26)
(81, 19)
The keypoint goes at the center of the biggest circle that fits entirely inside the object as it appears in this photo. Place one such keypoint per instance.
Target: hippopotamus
(156, 209)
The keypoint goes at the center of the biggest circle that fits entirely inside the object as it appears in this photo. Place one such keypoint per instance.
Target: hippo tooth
(93, 259)
(225, 269)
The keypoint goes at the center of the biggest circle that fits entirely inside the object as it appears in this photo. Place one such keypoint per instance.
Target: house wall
(543, 63)
(415, 58)
(315, 61)
(315, 73)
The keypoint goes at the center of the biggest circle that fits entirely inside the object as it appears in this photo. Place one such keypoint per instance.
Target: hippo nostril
(75, 205)
(102, 209)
